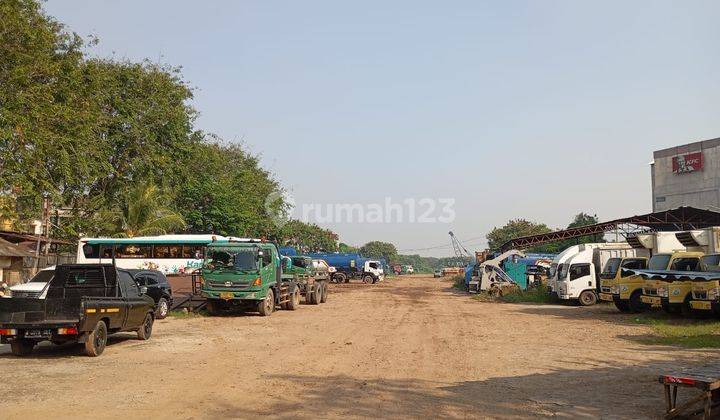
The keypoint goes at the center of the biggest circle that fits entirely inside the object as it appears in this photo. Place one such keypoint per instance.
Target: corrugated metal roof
(8, 249)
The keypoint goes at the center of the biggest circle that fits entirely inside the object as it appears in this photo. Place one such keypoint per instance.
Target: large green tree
(513, 229)
(379, 249)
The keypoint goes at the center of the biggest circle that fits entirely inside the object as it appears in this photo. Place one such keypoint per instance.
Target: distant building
(687, 175)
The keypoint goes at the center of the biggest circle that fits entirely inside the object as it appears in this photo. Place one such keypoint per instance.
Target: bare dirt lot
(411, 347)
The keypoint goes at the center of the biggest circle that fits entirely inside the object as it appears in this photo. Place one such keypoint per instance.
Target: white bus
(170, 254)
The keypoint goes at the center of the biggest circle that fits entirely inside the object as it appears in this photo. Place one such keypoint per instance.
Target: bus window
(91, 251)
(167, 251)
(133, 251)
(192, 251)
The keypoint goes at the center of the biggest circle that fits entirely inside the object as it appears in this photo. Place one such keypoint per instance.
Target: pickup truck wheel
(145, 330)
(324, 293)
(163, 307)
(368, 279)
(22, 347)
(588, 298)
(267, 305)
(97, 340)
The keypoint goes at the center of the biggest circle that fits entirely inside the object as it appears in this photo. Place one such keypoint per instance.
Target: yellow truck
(706, 291)
(672, 291)
(627, 288)
(613, 273)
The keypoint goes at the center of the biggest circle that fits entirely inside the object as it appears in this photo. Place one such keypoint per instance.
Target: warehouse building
(687, 175)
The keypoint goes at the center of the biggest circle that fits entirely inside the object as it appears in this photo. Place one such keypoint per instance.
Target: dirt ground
(411, 347)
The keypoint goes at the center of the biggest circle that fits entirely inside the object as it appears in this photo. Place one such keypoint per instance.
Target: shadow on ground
(627, 392)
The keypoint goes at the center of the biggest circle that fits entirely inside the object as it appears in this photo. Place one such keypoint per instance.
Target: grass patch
(186, 314)
(459, 282)
(534, 295)
(690, 333)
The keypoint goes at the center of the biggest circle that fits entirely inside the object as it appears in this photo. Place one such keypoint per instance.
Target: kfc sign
(687, 163)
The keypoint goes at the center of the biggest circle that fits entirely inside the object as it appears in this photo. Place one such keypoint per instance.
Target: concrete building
(687, 175)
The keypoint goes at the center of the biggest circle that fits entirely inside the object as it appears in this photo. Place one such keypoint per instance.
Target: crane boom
(458, 248)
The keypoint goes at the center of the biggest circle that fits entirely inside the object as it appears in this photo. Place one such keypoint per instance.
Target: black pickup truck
(83, 304)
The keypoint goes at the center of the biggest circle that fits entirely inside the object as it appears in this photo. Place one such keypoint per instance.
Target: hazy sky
(534, 109)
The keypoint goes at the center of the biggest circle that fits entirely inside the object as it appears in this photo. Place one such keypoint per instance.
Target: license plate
(38, 333)
(652, 300)
(606, 296)
(227, 295)
(701, 304)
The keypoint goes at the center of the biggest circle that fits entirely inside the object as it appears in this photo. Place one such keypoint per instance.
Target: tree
(514, 229)
(345, 248)
(145, 211)
(308, 237)
(378, 249)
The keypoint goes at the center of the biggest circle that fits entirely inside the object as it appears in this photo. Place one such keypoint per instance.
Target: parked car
(83, 303)
(158, 288)
(438, 273)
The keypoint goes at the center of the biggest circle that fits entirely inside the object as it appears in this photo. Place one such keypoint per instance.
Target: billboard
(690, 162)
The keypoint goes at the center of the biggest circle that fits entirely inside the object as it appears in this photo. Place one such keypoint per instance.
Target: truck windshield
(611, 268)
(685, 264)
(711, 262)
(231, 259)
(659, 262)
(563, 270)
(43, 276)
(553, 269)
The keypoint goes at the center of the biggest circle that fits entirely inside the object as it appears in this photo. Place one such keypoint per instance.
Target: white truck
(559, 263)
(578, 278)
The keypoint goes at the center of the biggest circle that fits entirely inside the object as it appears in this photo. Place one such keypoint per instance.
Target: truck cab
(613, 273)
(672, 296)
(576, 278)
(706, 287)
(246, 275)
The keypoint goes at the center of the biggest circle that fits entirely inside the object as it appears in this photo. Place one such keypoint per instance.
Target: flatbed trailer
(706, 379)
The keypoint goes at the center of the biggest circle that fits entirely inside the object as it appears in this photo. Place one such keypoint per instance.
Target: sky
(514, 109)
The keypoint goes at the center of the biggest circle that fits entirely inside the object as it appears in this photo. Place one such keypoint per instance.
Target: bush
(535, 295)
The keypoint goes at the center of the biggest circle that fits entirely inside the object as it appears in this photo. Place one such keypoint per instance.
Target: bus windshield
(232, 259)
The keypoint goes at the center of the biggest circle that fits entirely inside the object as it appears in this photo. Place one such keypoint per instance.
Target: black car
(158, 288)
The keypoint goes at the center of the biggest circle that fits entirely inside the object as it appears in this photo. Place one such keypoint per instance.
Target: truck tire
(368, 279)
(316, 294)
(145, 330)
(636, 305)
(324, 293)
(340, 278)
(267, 305)
(587, 298)
(96, 340)
(212, 307)
(294, 301)
(622, 305)
(163, 307)
(21, 347)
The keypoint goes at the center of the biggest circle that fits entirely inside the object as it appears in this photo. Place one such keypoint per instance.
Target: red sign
(687, 163)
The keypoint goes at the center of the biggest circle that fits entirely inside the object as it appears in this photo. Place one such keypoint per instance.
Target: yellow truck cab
(673, 295)
(706, 287)
(613, 273)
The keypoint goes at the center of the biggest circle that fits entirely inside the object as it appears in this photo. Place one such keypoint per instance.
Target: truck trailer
(352, 265)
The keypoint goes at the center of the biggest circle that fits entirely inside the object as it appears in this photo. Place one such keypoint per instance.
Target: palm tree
(146, 211)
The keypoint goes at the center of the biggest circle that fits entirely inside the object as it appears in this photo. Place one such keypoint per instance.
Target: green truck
(313, 284)
(249, 275)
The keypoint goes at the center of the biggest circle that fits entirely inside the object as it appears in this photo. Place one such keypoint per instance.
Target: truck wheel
(587, 298)
(368, 279)
(212, 307)
(340, 278)
(294, 301)
(637, 305)
(21, 347)
(145, 330)
(267, 305)
(316, 294)
(97, 340)
(163, 307)
(324, 293)
(622, 305)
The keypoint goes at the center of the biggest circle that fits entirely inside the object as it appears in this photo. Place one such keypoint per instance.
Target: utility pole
(44, 230)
